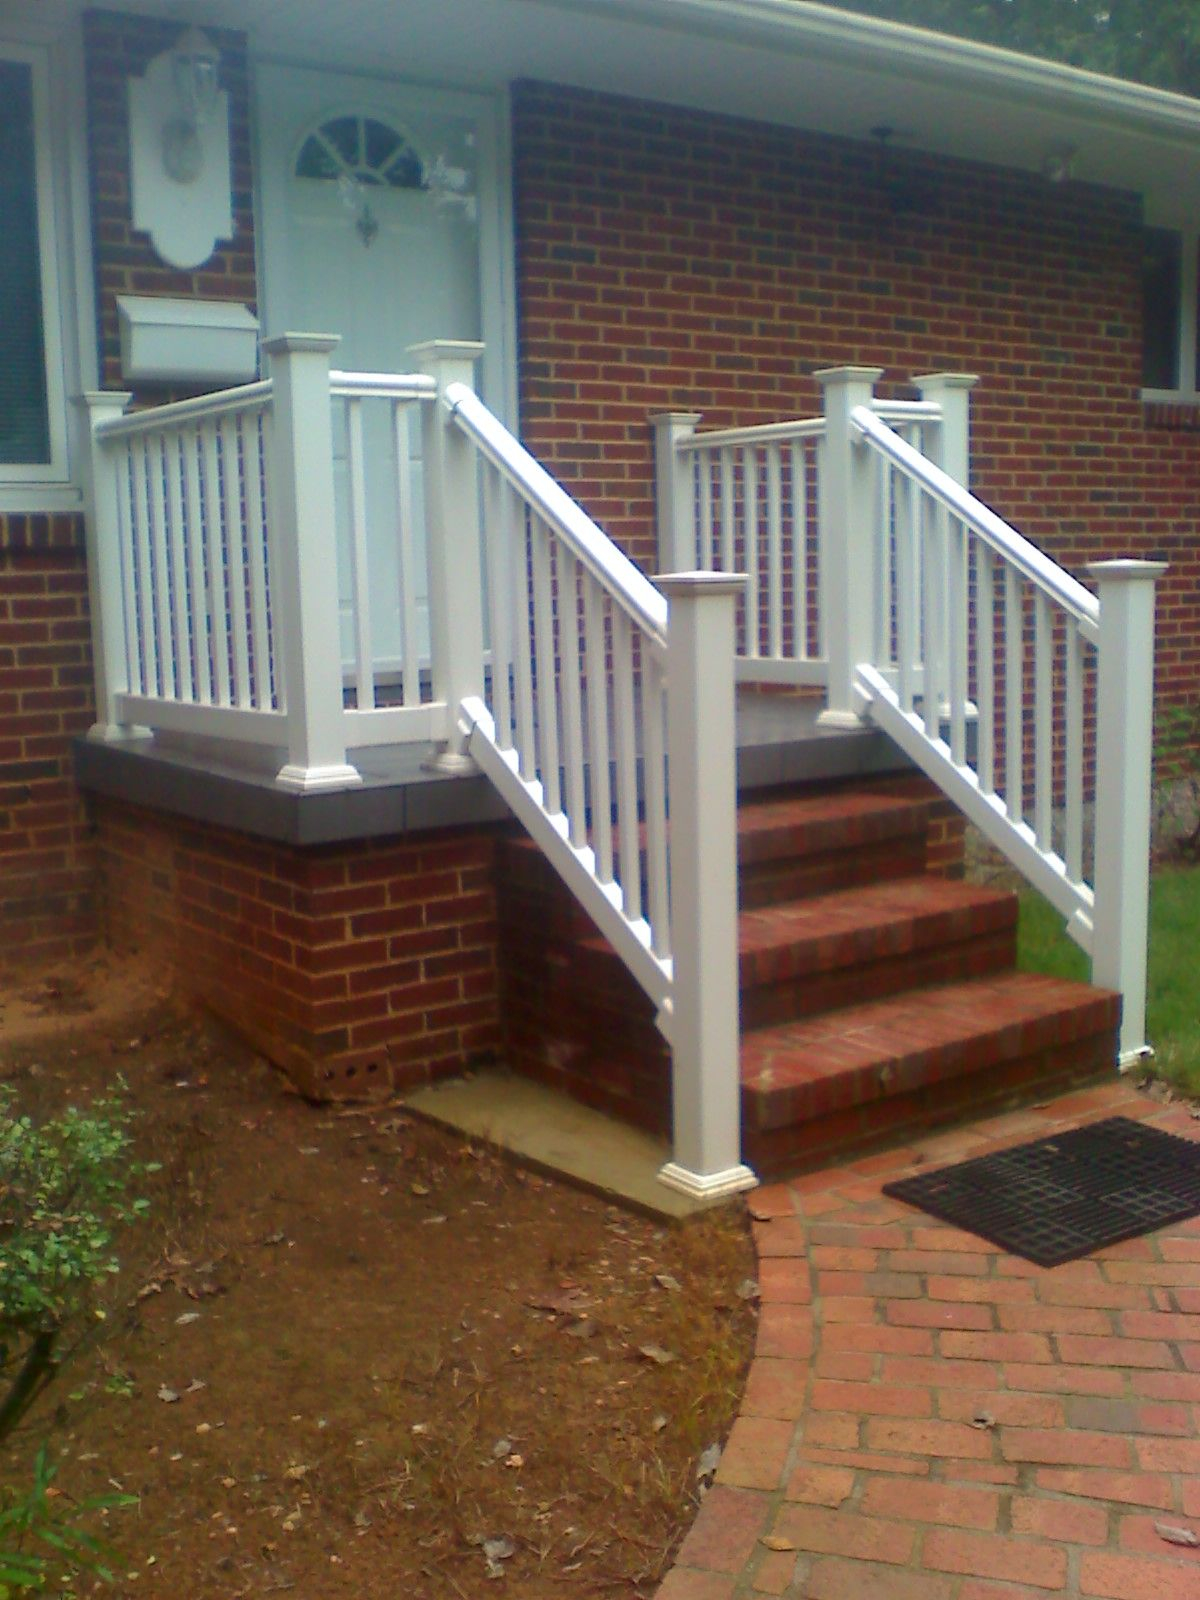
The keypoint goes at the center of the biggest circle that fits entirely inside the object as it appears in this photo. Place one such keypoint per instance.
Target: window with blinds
(24, 402)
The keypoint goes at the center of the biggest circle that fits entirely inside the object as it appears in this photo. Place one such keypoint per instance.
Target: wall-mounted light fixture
(195, 67)
(179, 151)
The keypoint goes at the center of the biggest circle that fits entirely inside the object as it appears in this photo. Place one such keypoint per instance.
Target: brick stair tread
(794, 826)
(870, 922)
(801, 825)
(841, 1059)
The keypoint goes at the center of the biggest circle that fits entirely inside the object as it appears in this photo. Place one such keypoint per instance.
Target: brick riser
(876, 993)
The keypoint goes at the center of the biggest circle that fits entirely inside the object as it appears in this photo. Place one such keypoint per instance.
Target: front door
(382, 222)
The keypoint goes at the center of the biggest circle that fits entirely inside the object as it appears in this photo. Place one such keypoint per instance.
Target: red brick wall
(673, 259)
(117, 47)
(46, 857)
(350, 966)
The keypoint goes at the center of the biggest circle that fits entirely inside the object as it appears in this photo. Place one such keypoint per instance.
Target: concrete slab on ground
(547, 1130)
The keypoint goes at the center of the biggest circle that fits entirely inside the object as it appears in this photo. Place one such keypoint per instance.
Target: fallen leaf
(275, 1238)
(298, 1470)
(1174, 1535)
(426, 1221)
(188, 1316)
(775, 1541)
(748, 1290)
(656, 1353)
(420, 1188)
(708, 1463)
(585, 1329)
(168, 1396)
(664, 1280)
(195, 1385)
(499, 1549)
(502, 1447)
(515, 1462)
(659, 1423)
(572, 1303)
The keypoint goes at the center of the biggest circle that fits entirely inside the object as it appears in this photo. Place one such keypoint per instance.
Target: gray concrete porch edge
(233, 786)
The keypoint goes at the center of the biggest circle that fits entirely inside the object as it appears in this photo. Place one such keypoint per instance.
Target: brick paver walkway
(929, 1418)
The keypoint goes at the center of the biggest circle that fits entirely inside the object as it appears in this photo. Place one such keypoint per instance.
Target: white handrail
(1032, 563)
(760, 433)
(391, 385)
(195, 409)
(604, 560)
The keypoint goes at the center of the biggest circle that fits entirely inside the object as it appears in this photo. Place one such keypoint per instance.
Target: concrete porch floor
(930, 1418)
(234, 785)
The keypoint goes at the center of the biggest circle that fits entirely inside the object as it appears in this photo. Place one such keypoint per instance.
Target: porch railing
(232, 576)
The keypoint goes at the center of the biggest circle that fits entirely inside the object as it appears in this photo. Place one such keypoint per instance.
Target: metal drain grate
(1063, 1197)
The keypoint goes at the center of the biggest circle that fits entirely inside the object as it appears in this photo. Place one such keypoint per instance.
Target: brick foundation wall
(47, 910)
(354, 967)
(671, 259)
(117, 47)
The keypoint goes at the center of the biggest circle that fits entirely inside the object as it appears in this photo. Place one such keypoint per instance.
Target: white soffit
(783, 61)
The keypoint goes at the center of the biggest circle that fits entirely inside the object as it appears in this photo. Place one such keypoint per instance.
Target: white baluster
(256, 547)
(752, 641)
(626, 750)
(1074, 646)
(546, 720)
(217, 606)
(596, 650)
(985, 675)
(1043, 720)
(571, 684)
(360, 575)
(235, 524)
(774, 550)
(1014, 696)
(654, 768)
(406, 544)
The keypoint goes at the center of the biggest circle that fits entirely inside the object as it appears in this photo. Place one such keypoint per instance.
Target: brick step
(796, 845)
(860, 1075)
(803, 957)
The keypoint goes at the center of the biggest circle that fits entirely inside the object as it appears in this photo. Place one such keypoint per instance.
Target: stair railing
(1024, 696)
(745, 500)
(606, 721)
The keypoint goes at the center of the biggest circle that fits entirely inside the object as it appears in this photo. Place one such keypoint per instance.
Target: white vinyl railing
(382, 548)
(873, 571)
(1023, 695)
(744, 500)
(188, 484)
(261, 564)
(607, 722)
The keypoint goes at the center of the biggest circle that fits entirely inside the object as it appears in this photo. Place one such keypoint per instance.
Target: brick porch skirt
(356, 967)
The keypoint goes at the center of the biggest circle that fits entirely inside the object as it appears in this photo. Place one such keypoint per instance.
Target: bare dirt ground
(356, 1356)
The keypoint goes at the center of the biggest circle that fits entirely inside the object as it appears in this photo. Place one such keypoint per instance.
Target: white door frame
(497, 275)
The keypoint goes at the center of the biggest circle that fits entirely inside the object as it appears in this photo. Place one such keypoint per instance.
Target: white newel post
(701, 761)
(847, 546)
(452, 535)
(1124, 757)
(304, 562)
(106, 594)
(952, 439)
(674, 490)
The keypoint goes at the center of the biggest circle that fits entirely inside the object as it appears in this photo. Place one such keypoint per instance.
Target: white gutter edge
(873, 44)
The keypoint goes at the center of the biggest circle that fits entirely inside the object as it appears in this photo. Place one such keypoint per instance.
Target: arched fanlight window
(362, 150)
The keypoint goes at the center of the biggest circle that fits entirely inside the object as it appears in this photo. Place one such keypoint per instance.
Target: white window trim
(1189, 292)
(55, 472)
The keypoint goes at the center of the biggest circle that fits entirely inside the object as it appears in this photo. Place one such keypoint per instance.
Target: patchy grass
(1172, 1011)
